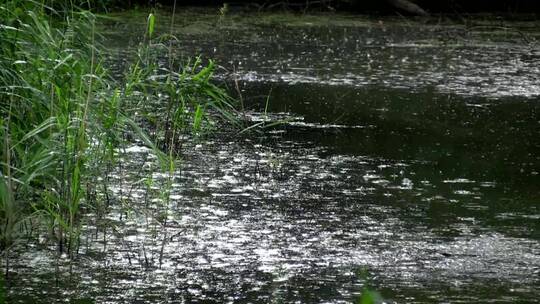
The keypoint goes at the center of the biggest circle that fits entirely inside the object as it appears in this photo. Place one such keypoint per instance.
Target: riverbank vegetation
(65, 122)
(393, 7)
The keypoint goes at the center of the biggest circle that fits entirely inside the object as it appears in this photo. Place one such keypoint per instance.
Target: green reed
(64, 120)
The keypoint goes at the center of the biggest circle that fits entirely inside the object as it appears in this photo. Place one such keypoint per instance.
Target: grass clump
(63, 119)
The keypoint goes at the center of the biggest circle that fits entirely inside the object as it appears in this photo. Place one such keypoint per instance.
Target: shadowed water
(409, 150)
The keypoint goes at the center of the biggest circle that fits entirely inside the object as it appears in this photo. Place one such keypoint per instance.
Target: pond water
(410, 152)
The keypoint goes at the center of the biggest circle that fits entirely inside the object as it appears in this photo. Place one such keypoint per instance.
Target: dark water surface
(411, 151)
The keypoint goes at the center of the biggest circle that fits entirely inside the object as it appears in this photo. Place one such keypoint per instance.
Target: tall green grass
(63, 119)
(50, 75)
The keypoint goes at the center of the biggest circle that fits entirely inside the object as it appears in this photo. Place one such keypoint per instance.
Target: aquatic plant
(63, 119)
(368, 294)
(47, 91)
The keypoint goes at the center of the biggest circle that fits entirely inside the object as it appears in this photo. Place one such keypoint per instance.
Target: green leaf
(151, 24)
(370, 297)
(198, 118)
(46, 124)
